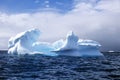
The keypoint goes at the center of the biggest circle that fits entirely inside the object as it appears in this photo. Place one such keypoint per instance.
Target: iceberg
(74, 46)
(27, 42)
(22, 42)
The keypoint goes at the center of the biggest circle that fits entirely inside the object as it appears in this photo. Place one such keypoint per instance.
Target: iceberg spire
(70, 42)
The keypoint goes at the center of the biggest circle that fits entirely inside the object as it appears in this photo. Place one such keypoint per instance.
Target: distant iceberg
(27, 43)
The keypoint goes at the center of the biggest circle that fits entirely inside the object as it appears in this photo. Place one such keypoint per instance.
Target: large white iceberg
(74, 46)
(27, 43)
(23, 42)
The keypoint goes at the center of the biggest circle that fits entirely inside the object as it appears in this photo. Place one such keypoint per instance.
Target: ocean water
(39, 67)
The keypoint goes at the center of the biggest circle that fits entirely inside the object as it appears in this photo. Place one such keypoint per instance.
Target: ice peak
(34, 30)
(72, 36)
(70, 33)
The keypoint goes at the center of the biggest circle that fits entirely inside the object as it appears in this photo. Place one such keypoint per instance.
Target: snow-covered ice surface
(28, 43)
(41, 67)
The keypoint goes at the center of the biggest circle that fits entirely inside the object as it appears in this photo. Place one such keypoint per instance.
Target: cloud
(98, 21)
(109, 5)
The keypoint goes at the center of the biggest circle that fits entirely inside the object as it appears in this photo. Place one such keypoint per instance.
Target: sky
(98, 20)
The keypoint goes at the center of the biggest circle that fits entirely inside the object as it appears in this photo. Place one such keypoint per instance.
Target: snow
(88, 43)
(28, 42)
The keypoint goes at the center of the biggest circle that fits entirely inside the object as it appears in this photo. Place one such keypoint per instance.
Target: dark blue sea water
(39, 67)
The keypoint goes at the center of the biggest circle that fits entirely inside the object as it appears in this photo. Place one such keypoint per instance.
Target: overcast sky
(90, 19)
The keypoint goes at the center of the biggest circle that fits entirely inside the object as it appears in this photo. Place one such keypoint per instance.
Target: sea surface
(40, 67)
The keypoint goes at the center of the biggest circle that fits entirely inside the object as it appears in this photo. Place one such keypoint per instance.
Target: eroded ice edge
(28, 43)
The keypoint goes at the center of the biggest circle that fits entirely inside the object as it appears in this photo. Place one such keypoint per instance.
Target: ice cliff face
(27, 43)
(23, 42)
(89, 48)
